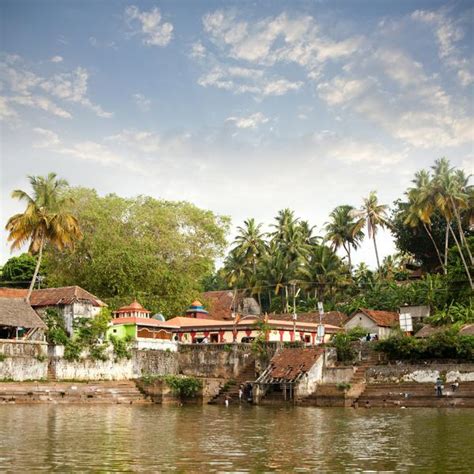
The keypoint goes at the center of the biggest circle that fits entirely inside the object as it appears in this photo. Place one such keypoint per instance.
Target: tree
(344, 231)
(374, 215)
(19, 270)
(154, 250)
(45, 219)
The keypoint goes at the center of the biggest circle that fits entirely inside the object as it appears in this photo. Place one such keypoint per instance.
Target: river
(65, 438)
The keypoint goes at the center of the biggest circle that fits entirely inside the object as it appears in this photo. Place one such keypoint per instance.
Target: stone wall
(23, 360)
(423, 373)
(335, 375)
(214, 360)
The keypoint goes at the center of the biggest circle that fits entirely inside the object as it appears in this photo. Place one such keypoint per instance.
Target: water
(67, 438)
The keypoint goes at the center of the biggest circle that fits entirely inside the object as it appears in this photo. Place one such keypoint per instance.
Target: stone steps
(61, 392)
(232, 390)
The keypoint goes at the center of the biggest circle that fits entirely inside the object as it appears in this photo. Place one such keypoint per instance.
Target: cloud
(240, 80)
(341, 90)
(152, 30)
(448, 34)
(198, 51)
(251, 121)
(48, 138)
(142, 102)
(32, 90)
(56, 59)
(6, 112)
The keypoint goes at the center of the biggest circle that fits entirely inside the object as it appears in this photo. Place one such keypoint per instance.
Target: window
(215, 337)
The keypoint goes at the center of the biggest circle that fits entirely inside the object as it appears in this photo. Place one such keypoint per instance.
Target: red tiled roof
(132, 307)
(334, 318)
(143, 322)
(290, 363)
(381, 318)
(53, 296)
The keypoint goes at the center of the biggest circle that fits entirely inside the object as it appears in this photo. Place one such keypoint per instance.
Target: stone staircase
(412, 394)
(231, 387)
(109, 392)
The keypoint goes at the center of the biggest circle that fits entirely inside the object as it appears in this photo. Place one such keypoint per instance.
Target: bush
(343, 343)
(443, 345)
(97, 352)
(183, 386)
(72, 350)
(121, 347)
(148, 379)
(56, 333)
(2, 357)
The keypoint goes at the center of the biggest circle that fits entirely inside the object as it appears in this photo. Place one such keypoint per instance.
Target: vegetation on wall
(343, 342)
(182, 386)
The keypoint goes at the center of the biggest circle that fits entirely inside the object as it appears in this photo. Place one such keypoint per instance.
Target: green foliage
(259, 344)
(447, 344)
(98, 352)
(2, 357)
(56, 333)
(72, 350)
(158, 251)
(343, 343)
(186, 387)
(343, 386)
(88, 330)
(20, 269)
(41, 357)
(121, 347)
(149, 379)
(455, 313)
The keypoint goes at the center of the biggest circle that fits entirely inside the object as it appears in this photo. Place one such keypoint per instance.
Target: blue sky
(240, 107)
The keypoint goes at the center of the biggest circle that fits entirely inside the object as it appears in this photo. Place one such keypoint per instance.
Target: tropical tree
(46, 219)
(343, 230)
(374, 215)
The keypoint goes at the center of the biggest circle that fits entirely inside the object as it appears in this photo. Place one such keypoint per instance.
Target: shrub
(148, 379)
(72, 350)
(121, 347)
(343, 386)
(183, 386)
(56, 333)
(2, 357)
(97, 352)
(343, 343)
(41, 357)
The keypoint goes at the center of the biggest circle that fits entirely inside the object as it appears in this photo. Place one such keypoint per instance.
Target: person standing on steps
(241, 393)
(227, 400)
(439, 387)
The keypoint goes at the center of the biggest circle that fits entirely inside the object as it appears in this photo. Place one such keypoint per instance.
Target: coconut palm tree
(448, 194)
(45, 219)
(344, 231)
(374, 215)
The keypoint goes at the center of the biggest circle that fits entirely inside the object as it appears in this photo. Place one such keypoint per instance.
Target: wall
(426, 373)
(335, 375)
(214, 360)
(23, 360)
(314, 376)
(363, 321)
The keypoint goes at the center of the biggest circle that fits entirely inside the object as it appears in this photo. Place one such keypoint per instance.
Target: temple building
(146, 332)
(196, 310)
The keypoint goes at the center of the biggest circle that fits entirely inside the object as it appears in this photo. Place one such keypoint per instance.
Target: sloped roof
(133, 306)
(63, 295)
(467, 330)
(16, 312)
(291, 363)
(381, 318)
(142, 322)
(333, 318)
(221, 304)
(427, 331)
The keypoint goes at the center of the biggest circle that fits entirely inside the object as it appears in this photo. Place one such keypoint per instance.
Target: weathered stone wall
(423, 373)
(23, 360)
(154, 362)
(214, 360)
(335, 375)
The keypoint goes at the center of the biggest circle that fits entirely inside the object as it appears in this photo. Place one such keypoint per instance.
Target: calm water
(215, 439)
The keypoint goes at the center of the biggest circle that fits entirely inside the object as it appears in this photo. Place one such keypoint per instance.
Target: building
(376, 323)
(225, 304)
(72, 302)
(18, 320)
(334, 318)
(146, 332)
(246, 329)
(418, 312)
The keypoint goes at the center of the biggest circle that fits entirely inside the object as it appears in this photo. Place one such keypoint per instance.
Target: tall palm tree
(421, 207)
(448, 194)
(374, 215)
(343, 230)
(45, 219)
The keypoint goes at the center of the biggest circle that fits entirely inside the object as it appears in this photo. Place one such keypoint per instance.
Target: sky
(244, 108)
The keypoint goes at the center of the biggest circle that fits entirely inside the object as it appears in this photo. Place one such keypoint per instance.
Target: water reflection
(214, 439)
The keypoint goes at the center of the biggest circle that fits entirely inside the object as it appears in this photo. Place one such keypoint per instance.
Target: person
(241, 393)
(205, 340)
(367, 338)
(227, 400)
(455, 385)
(439, 387)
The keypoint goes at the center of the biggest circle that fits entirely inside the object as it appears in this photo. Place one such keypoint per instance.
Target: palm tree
(45, 219)
(344, 231)
(448, 192)
(421, 207)
(374, 215)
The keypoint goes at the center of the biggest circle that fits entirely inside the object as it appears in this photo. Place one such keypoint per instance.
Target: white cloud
(251, 121)
(341, 90)
(31, 90)
(142, 102)
(152, 30)
(57, 59)
(48, 138)
(198, 51)
(147, 142)
(6, 112)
